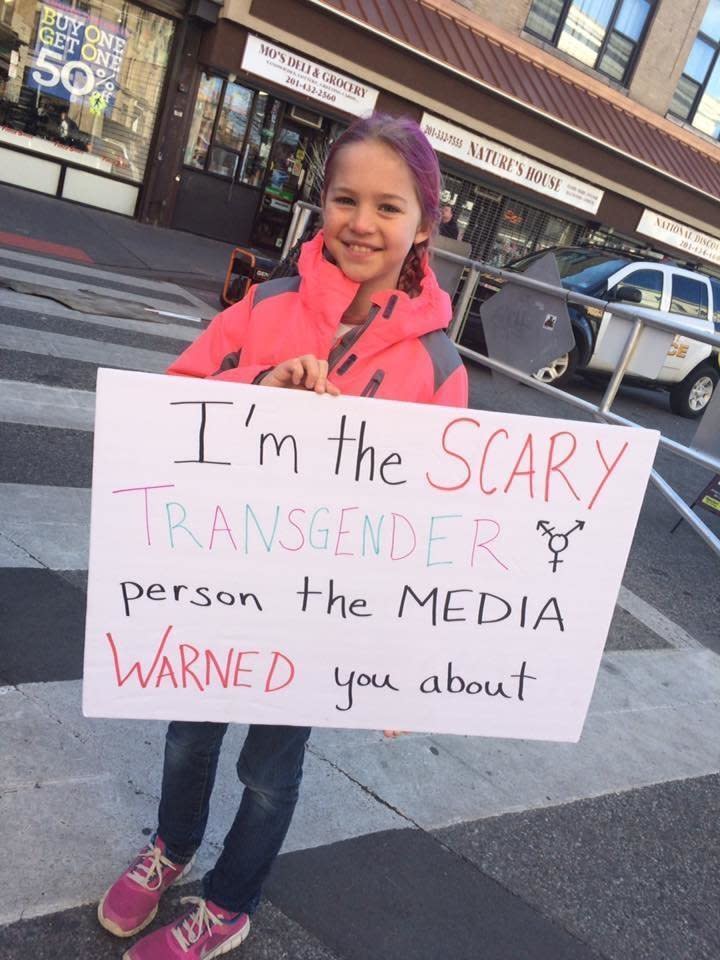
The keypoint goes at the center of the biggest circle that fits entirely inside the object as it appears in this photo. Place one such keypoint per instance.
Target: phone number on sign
(311, 90)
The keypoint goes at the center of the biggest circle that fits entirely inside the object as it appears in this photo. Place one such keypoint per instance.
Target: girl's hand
(301, 373)
(394, 734)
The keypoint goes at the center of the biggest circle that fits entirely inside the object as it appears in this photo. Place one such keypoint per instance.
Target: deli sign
(295, 72)
(501, 161)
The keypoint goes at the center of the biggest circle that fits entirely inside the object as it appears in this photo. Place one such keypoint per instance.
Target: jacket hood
(328, 293)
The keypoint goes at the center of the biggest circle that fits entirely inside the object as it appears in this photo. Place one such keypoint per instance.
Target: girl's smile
(359, 247)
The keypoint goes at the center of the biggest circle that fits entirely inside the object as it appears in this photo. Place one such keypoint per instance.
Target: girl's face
(371, 215)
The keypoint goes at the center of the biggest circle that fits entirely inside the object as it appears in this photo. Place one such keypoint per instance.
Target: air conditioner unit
(306, 117)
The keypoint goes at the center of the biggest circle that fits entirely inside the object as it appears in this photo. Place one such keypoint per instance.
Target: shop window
(203, 121)
(522, 229)
(232, 131)
(260, 136)
(233, 119)
(476, 211)
(556, 232)
(697, 96)
(514, 236)
(649, 283)
(603, 34)
(86, 83)
(500, 229)
(605, 237)
(689, 297)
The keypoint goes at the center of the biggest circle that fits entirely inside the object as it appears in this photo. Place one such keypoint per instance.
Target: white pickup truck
(685, 367)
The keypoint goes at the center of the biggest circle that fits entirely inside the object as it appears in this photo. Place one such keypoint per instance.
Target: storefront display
(85, 83)
(233, 141)
(262, 121)
(249, 138)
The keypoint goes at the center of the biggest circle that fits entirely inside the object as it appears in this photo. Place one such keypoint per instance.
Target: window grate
(500, 228)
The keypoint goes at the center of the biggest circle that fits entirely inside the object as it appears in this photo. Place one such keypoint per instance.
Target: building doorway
(284, 182)
(249, 156)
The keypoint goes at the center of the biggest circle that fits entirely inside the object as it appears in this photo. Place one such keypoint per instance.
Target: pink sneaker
(203, 932)
(132, 901)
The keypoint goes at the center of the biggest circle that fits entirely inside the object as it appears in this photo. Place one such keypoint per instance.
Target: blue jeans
(270, 766)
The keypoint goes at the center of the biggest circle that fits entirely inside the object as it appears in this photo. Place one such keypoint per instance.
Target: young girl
(364, 317)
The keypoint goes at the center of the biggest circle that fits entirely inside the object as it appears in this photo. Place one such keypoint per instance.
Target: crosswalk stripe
(656, 621)
(151, 327)
(59, 283)
(76, 348)
(14, 556)
(111, 277)
(34, 403)
(50, 525)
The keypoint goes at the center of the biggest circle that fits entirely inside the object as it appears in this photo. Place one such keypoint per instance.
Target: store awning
(483, 57)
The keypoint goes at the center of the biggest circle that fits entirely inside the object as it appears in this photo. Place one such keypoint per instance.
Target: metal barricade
(601, 411)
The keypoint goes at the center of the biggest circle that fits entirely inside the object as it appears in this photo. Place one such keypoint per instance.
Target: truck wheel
(560, 371)
(690, 397)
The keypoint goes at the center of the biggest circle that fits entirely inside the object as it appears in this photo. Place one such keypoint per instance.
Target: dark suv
(687, 368)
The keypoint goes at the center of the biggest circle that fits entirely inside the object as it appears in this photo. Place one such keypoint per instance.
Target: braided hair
(413, 270)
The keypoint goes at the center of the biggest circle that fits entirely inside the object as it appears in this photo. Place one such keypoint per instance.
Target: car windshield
(581, 270)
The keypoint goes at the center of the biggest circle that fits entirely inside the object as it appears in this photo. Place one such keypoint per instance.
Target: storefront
(253, 148)
(80, 88)
(549, 157)
(237, 114)
(543, 207)
(261, 120)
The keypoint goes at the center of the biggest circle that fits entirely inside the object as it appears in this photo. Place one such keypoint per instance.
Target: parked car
(689, 369)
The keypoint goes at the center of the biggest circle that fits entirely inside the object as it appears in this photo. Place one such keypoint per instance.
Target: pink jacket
(400, 352)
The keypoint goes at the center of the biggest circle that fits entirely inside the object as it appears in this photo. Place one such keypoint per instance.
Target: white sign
(271, 556)
(289, 69)
(503, 162)
(674, 234)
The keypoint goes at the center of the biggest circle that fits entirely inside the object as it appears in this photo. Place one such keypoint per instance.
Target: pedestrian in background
(365, 317)
(448, 223)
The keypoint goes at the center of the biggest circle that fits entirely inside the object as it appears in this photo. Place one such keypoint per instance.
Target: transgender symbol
(557, 542)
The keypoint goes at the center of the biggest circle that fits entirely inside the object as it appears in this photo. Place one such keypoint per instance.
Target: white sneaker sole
(234, 941)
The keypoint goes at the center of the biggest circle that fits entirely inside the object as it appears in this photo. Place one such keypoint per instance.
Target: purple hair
(405, 137)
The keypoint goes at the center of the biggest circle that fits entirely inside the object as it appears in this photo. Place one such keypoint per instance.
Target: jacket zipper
(350, 339)
(373, 384)
(346, 364)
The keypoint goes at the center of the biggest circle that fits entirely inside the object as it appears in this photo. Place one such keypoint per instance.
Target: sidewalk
(38, 224)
